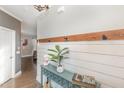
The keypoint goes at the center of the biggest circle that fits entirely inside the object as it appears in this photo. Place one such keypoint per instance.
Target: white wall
(28, 29)
(34, 42)
(80, 19)
(102, 59)
(28, 49)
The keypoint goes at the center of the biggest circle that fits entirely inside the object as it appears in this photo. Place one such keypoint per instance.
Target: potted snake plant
(57, 55)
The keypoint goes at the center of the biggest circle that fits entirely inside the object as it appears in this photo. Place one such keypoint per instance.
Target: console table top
(65, 74)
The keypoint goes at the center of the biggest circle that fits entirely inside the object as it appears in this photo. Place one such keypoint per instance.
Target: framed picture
(25, 42)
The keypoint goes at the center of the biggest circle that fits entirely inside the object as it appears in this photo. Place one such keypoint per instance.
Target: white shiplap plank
(104, 60)
(102, 78)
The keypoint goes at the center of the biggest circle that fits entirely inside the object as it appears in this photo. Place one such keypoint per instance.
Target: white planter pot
(60, 68)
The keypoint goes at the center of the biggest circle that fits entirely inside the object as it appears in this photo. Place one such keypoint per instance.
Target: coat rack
(96, 36)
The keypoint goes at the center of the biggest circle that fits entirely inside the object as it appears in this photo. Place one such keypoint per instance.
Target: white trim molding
(26, 56)
(13, 53)
(38, 79)
(13, 49)
(17, 74)
(5, 28)
(9, 13)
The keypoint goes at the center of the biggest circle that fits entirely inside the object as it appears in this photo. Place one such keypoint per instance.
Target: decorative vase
(46, 60)
(60, 68)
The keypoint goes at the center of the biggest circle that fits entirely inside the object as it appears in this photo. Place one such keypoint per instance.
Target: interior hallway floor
(28, 77)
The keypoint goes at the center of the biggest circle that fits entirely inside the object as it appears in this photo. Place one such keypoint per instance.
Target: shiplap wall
(102, 59)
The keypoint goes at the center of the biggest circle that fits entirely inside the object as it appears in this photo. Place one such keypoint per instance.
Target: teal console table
(64, 79)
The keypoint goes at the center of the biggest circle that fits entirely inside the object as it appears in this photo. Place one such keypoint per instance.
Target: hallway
(28, 77)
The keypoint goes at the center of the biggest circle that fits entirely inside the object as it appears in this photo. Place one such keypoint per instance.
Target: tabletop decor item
(46, 60)
(84, 81)
(57, 55)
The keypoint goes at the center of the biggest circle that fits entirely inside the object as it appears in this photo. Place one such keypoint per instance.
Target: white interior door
(5, 55)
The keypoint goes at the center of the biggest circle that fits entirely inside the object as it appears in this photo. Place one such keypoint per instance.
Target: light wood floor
(27, 79)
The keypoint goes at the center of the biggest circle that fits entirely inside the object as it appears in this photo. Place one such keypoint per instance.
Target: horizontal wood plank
(101, 59)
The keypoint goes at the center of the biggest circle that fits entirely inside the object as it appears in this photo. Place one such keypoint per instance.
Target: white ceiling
(27, 14)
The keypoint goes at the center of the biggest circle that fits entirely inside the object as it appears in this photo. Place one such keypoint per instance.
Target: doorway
(7, 54)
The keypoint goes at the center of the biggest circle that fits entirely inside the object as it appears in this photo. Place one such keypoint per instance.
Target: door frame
(13, 59)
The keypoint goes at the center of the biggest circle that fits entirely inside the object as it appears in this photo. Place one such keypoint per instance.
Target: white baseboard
(18, 74)
(27, 56)
(38, 79)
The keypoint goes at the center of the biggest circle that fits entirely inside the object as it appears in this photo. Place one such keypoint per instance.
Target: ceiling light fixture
(41, 7)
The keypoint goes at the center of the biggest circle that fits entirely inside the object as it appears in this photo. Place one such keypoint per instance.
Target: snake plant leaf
(66, 52)
(53, 60)
(64, 49)
(61, 57)
(53, 56)
(57, 48)
(58, 54)
(52, 50)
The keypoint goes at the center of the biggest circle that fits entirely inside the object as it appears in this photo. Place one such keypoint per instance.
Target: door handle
(10, 57)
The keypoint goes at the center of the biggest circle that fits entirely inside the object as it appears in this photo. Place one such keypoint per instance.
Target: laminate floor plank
(28, 77)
